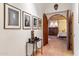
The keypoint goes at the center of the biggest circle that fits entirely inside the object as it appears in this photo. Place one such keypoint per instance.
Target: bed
(62, 34)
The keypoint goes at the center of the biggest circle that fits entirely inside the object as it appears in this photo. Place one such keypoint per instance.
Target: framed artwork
(39, 23)
(11, 17)
(26, 20)
(35, 22)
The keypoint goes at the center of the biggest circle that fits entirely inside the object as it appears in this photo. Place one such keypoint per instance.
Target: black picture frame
(35, 22)
(39, 23)
(26, 20)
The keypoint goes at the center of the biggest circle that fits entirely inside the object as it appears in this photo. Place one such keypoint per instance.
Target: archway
(68, 17)
(55, 22)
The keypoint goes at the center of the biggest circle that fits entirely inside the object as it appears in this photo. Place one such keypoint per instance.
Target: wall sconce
(56, 6)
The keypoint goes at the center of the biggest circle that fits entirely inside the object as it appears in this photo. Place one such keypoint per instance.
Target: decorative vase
(32, 35)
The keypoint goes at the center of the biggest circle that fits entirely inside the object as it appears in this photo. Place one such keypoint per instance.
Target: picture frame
(35, 22)
(39, 23)
(26, 20)
(12, 17)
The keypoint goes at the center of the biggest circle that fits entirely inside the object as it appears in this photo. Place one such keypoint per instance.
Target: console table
(35, 46)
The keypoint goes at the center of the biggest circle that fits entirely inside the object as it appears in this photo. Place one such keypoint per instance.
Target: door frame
(45, 30)
(68, 17)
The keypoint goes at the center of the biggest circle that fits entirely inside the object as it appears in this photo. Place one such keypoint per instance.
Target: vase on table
(32, 35)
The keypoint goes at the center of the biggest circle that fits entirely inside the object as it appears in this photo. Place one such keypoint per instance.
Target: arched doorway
(68, 17)
(55, 23)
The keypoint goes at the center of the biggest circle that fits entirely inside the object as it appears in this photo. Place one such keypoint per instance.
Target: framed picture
(35, 22)
(11, 17)
(26, 20)
(39, 23)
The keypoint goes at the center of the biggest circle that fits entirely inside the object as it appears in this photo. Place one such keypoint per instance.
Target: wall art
(11, 17)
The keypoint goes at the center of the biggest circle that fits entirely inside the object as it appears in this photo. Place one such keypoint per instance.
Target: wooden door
(69, 30)
(45, 30)
(72, 36)
(68, 37)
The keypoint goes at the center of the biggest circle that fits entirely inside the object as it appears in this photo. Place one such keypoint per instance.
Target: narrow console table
(35, 46)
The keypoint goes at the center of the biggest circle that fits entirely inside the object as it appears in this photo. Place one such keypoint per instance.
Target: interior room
(39, 29)
(57, 27)
(57, 33)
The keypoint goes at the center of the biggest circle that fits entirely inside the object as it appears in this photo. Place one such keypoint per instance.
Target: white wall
(12, 42)
(61, 7)
(76, 29)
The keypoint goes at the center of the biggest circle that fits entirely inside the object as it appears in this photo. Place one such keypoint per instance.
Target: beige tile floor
(55, 47)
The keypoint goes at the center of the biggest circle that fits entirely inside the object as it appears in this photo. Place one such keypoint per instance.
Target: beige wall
(62, 25)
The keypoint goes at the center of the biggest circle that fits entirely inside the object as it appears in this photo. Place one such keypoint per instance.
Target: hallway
(56, 47)
(19, 20)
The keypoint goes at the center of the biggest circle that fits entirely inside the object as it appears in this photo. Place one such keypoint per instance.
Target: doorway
(53, 29)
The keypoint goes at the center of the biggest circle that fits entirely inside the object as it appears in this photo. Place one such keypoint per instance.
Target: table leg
(26, 49)
(33, 49)
(36, 47)
(41, 47)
